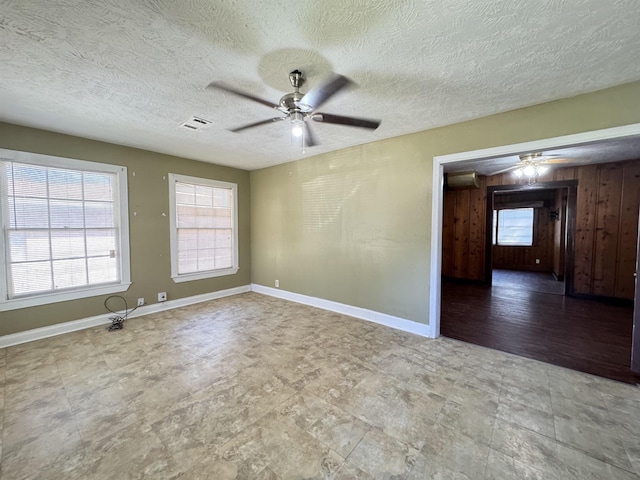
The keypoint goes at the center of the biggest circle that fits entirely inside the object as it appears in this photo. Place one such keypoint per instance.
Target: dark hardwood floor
(585, 335)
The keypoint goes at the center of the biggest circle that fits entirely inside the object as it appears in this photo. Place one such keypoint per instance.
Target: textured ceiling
(131, 72)
(605, 151)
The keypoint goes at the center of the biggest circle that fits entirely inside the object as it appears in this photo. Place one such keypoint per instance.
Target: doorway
(511, 301)
(511, 314)
(438, 167)
(530, 236)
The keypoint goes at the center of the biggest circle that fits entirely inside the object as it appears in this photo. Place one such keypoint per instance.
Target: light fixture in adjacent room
(532, 166)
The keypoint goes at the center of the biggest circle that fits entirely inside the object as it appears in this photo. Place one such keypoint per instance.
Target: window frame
(496, 228)
(201, 275)
(121, 209)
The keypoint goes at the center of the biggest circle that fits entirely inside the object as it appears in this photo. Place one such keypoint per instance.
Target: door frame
(437, 184)
(570, 228)
(635, 334)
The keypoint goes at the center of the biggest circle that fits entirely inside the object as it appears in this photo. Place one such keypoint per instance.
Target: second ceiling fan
(298, 107)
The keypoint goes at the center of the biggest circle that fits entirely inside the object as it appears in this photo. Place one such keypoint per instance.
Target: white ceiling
(131, 72)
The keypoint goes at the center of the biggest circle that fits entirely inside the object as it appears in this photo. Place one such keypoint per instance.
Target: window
(64, 229)
(513, 227)
(204, 228)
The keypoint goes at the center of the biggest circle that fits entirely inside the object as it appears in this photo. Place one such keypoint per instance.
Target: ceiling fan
(532, 165)
(298, 107)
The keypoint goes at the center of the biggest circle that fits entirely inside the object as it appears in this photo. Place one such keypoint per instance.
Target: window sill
(188, 277)
(512, 245)
(36, 300)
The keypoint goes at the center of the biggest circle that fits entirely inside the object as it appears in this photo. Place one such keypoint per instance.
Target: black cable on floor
(118, 319)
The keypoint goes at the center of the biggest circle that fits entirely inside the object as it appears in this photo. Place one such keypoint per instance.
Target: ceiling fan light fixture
(297, 124)
(531, 166)
(296, 128)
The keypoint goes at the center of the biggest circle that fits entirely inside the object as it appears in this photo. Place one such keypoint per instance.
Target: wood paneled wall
(606, 227)
(463, 230)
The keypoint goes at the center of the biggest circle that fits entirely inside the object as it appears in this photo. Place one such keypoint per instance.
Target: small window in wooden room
(513, 227)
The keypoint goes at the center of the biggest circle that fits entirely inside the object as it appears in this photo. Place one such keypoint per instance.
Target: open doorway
(530, 231)
(515, 306)
(603, 265)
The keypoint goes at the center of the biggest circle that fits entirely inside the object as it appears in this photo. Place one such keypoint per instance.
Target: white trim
(546, 144)
(63, 296)
(357, 312)
(173, 230)
(435, 283)
(75, 325)
(121, 206)
(439, 161)
(188, 277)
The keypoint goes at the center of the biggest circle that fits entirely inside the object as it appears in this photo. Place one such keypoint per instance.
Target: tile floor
(252, 387)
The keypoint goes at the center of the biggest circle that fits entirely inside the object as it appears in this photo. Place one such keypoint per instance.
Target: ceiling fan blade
(248, 96)
(309, 138)
(321, 93)
(257, 124)
(558, 161)
(504, 170)
(349, 121)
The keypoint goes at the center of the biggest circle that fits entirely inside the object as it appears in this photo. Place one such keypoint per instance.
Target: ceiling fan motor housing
(290, 102)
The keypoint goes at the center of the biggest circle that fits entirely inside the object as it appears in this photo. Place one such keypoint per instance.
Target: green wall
(148, 229)
(353, 226)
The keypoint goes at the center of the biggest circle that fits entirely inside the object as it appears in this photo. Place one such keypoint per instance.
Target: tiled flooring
(251, 387)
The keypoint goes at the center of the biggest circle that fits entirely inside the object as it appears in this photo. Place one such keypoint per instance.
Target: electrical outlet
(140, 302)
(537, 261)
(162, 296)
(277, 283)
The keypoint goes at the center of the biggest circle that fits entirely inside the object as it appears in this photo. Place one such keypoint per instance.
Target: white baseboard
(103, 319)
(75, 325)
(357, 312)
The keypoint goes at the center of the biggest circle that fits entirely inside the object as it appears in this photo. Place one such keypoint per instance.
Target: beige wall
(354, 226)
(149, 229)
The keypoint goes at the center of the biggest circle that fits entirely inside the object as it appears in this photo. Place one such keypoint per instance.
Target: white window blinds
(513, 227)
(204, 228)
(60, 228)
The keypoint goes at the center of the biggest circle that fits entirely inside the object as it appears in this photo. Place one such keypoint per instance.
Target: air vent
(196, 123)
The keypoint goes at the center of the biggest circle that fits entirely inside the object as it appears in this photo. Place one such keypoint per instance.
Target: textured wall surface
(148, 228)
(131, 72)
(354, 226)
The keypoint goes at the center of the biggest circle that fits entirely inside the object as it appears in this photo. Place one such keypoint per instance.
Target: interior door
(635, 345)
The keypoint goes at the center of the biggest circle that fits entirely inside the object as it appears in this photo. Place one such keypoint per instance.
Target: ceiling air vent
(196, 123)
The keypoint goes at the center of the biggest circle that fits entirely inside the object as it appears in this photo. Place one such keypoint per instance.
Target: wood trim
(635, 336)
(488, 236)
(570, 236)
